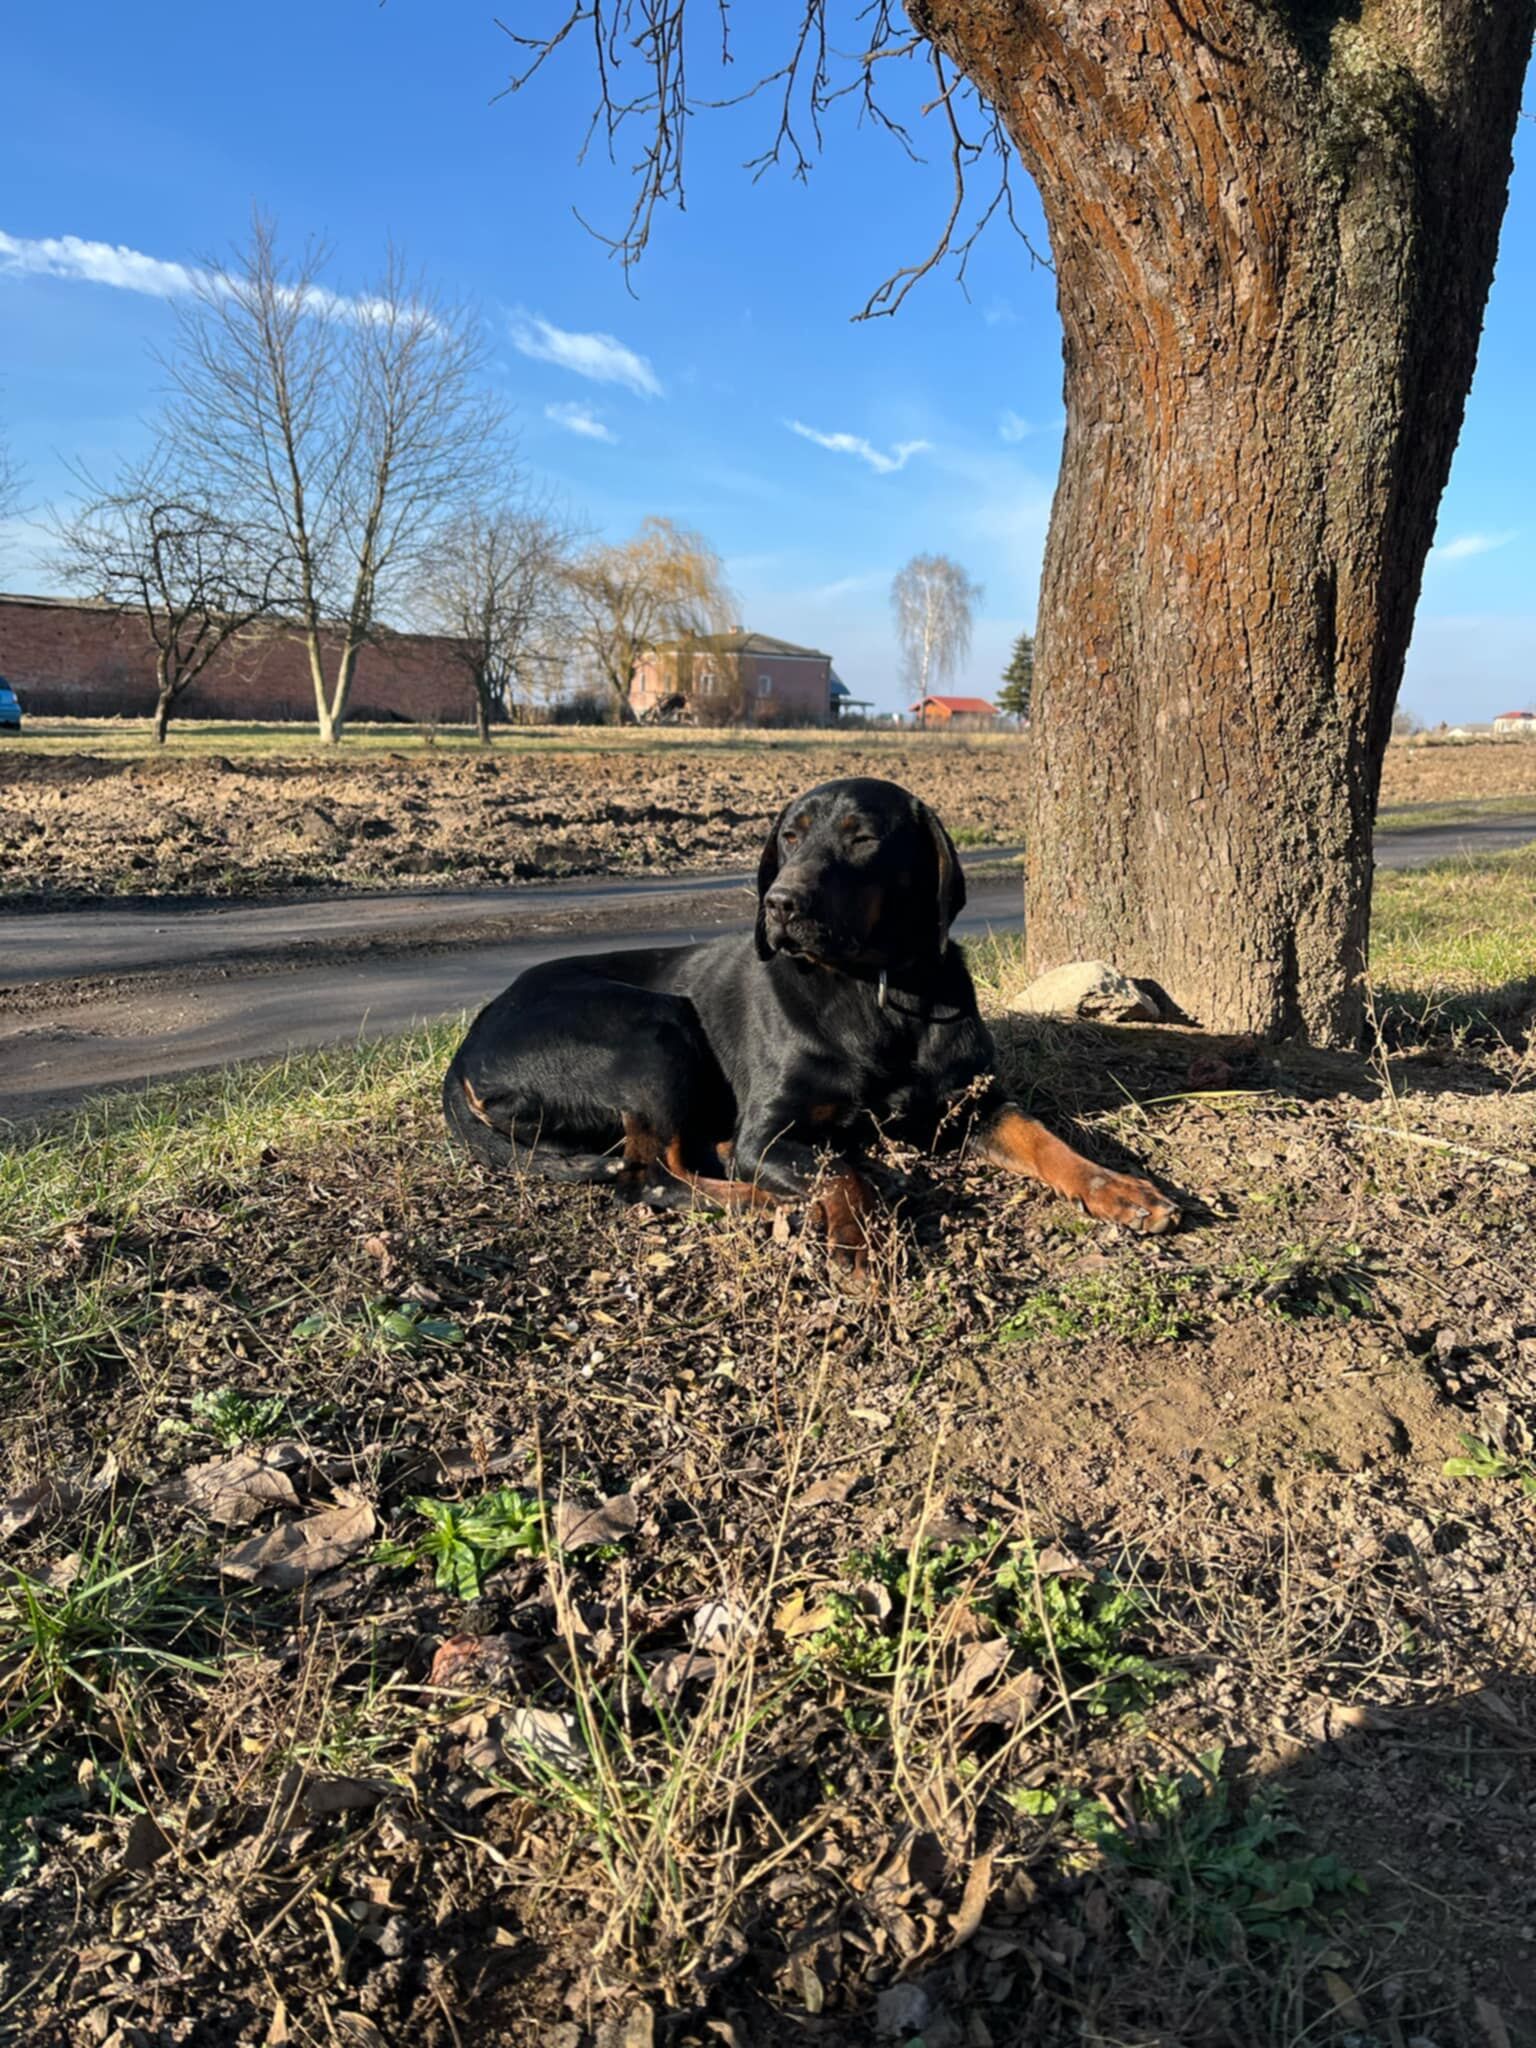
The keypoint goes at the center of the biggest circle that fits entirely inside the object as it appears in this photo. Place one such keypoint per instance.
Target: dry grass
(1034, 1646)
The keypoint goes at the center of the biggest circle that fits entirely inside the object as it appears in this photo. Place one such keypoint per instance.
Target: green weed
(233, 1418)
(1225, 1876)
(465, 1541)
(1480, 1460)
(106, 1626)
(387, 1325)
(1079, 1624)
(1305, 1281)
(1138, 1307)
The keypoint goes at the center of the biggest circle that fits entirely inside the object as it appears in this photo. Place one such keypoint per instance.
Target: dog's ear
(767, 874)
(951, 883)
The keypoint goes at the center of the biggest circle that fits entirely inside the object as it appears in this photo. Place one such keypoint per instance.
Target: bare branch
(496, 583)
(815, 74)
(345, 430)
(152, 546)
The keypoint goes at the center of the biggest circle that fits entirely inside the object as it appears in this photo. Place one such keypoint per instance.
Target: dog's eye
(789, 838)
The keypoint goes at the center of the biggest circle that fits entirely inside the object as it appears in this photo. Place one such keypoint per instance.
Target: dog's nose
(785, 901)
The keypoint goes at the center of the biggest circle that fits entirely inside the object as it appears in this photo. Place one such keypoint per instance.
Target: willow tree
(1273, 225)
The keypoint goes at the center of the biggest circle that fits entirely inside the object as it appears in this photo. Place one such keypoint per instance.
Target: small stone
(1088, 988)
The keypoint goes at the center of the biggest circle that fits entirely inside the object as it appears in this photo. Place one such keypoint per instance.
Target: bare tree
(934, 602)
(664, 585)
(496, 583)
(1273, 225)
(344, 429)
(152, 548)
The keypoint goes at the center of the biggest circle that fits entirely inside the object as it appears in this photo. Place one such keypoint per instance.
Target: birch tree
(934, 603)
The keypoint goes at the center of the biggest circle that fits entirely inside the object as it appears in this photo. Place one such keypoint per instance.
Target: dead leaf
(830, 1492)
(236, 1489)
(278, 2034)
(902, 2009)
(356, 2029)
(973, 1901)
(1056, 1563)
(58, 1576)
(684, 1667)
(295, 1552)
(1491, 2020)
(720, 1623)
(577, 1526)
(1345, 2003)
(341, 1795)
(147, 1842)
(981, 1661)
(1012, 1703)
(43, 1500)
(551, 1737)
(793, 1618)
(453, 1660)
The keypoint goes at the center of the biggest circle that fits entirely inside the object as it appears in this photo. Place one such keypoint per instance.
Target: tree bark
(483, 710)
(1274, 224)
(165, 696)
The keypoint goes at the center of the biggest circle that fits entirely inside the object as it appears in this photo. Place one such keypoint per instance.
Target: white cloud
(1466, 545)
(130, 270)
(596, 356)
(580, 419)
(94, 263)
(1013, 427)
(855, 444)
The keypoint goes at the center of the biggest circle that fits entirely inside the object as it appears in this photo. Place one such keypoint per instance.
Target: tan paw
(1133, 1204)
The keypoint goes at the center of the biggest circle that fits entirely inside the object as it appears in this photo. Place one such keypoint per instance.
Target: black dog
(728, 1071)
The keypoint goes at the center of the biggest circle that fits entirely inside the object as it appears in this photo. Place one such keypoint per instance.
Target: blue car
(10, 708)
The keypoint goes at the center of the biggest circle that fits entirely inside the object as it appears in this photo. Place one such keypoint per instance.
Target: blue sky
(733, 392)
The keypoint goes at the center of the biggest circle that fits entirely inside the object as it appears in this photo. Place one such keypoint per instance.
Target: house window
(765, 686)
(707, 683)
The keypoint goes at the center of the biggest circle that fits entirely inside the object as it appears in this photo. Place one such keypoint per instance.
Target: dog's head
(857, 873)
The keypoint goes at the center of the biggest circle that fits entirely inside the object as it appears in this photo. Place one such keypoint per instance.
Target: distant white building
(1515, 725)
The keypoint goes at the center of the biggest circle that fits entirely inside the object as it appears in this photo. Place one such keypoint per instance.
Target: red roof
(1513, 714)
(969, 704)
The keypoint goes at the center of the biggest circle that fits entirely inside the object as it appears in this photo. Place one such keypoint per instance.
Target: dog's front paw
(1134, 1204)
(844, 1210)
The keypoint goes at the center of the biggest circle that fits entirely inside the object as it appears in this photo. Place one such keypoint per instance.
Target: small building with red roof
(1515, 725)
(952, 713)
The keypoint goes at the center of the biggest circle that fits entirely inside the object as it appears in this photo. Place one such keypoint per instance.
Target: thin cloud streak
(1466, 545)
(580, 419)
(156, 277)
(106, 263)
(600, 357)
(855, 444)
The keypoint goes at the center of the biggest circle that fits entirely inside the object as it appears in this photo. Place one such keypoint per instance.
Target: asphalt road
(107, 998)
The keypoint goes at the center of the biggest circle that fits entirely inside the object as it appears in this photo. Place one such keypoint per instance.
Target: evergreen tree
(1019, 679)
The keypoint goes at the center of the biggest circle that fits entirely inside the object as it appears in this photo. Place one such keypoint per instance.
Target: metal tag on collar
(880, 998)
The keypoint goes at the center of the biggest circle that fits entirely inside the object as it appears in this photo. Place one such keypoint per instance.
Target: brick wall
(82, 661)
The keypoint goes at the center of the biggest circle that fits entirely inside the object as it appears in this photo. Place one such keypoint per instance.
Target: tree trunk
(341, 697)
(325, 725)
(1274, 225)
(165, 696)
(483, 711)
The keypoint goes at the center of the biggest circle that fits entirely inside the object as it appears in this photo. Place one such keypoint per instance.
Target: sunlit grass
(1462, 932)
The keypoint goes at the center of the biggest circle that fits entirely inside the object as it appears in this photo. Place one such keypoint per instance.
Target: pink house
(738, 678)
